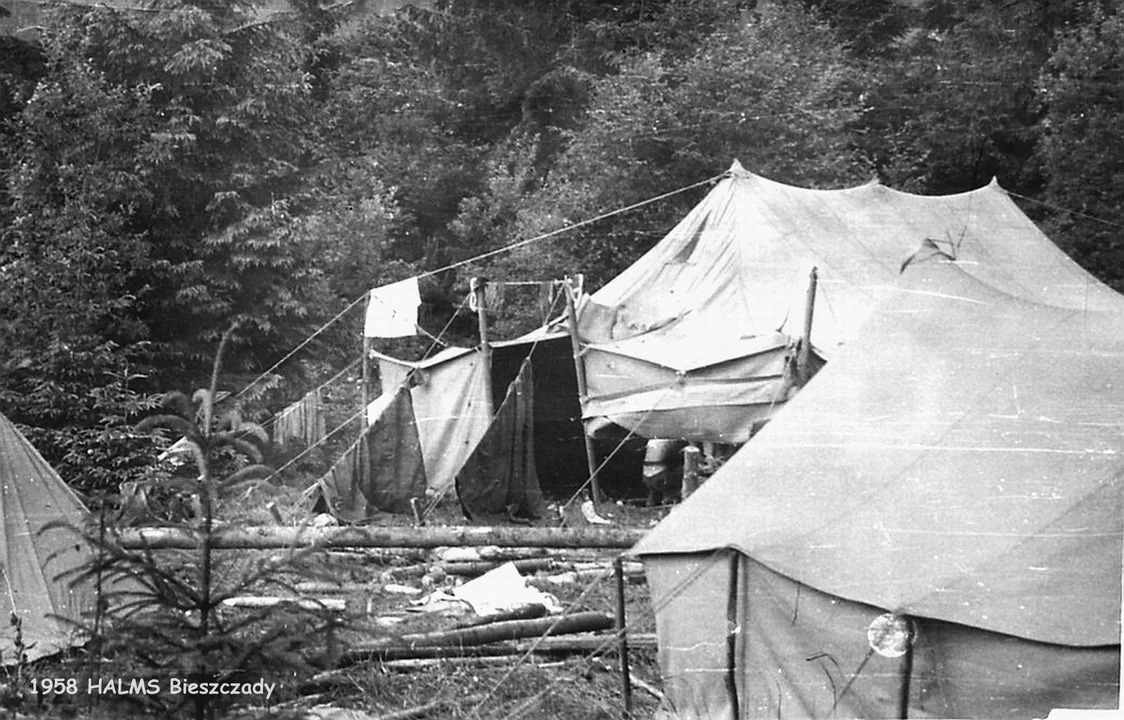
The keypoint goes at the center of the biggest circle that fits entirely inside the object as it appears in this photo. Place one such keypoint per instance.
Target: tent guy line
(942, 448)
(483, 256)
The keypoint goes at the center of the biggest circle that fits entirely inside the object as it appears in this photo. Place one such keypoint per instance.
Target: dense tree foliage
(172, 171)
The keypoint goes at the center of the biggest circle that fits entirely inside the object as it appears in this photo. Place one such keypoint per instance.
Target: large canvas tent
(695, 340)
(957, 464)
(38, 562)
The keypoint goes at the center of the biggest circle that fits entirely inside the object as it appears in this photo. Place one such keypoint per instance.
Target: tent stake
(579, 369)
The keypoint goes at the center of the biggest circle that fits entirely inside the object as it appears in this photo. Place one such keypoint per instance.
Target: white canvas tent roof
(736, 267)
(960, 462)
(32, 495)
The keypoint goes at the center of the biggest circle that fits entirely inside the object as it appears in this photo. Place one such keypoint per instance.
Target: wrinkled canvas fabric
(499, 478)
(959, 462)
(383, 471)
(778, 648)
(736, 269)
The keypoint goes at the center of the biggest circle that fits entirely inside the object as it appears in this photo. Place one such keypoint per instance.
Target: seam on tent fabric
(756, 380)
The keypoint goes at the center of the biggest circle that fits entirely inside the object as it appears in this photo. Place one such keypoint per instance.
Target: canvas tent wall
(958, 463)
(453, 410)
(693, 339)
(34, 558)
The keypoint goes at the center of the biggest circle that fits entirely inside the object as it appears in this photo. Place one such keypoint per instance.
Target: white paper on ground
(504, 589)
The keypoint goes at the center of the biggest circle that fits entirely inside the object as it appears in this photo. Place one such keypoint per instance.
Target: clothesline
(327, 436)
(477, 258)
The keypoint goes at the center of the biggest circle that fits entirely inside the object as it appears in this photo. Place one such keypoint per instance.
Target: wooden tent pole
(364, 465)
(622, 633)
(803, 361)
(478, 286)
(579, 370)
(366, 374)
(906, 672)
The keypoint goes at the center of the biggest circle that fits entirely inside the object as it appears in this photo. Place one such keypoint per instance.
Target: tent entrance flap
(499, 477)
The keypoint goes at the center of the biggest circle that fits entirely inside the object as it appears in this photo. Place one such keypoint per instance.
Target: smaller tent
(38, 563)
(958, 465)
(444, 430)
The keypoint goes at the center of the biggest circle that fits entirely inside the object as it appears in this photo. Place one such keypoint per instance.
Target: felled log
(405, 645)
(258, 601)
(409, 664)
(554, 645)
(527, 612)
(276, 537)
(596, 571)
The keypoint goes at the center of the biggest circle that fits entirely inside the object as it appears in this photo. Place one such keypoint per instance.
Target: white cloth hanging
(392, 310)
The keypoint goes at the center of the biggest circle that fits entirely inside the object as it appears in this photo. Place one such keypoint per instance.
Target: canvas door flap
(382, 471)
(452, 410)
(499, 477)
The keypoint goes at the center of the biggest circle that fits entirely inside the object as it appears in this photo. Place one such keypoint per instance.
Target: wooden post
(906, 674)
(622, 634)
(366, 375)
(732, 633)
(478, 286)
(364, 425)
(692, 459)
(579, 369)
(803, 361)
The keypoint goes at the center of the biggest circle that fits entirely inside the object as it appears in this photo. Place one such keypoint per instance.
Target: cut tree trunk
(275, 537)
(412, 645)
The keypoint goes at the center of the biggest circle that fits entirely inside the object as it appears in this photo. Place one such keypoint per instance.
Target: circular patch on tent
(890, 635)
